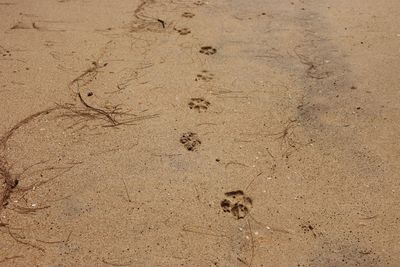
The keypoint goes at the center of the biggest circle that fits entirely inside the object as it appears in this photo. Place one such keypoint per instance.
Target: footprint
(4, 52)
(237, 203)
(199, 3)
(190, 141)
(208, 50)
(307, 227)
(204, 76)
(199, 104)
(183, 31)
(187, 15)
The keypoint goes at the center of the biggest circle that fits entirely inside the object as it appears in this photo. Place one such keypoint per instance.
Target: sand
(199, 133)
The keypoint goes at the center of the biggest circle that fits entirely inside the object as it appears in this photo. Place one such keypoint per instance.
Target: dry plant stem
(312, 69)
(23, 122)
(26, 210)
(140, 9)
(190, 229)
(92, 70)
(9, 184)
(56, 242)
(252, 181)
(11, 258)
(24, 242)
(91, 111)
(273, 229)
(235, 163)
(252, 242)
(126, 190)
(286, 131)
(27, 188)
(97, 110)
(10, 181)
(116, 264)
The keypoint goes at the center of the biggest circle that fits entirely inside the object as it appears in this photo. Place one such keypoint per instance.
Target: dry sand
(199, 133)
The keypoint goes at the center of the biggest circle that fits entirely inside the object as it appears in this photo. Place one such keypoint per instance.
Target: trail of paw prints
(199, 104)
(190, 141)
(204, 76)
(183, 31)
(188, 15)
(237, 203)
(207, 50)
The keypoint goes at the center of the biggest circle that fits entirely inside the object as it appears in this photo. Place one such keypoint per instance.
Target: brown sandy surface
(199, 133)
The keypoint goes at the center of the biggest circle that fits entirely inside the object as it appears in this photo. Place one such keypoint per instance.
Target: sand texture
(199, 133)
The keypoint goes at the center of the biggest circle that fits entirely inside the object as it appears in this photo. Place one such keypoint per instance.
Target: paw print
(208, 50)
(5, 52)
(237, 203)
(199, 104)
(182, 31)
(190, 141)
(188, 15)
(204, 76)
(310, 228)
(198, 3)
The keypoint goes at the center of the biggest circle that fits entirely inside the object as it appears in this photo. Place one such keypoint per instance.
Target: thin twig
(252, 243)
(251, 182)
(24, 242)
(56, 242)
(116, 264)
(11, 258)
(126, 189)
(187, 229)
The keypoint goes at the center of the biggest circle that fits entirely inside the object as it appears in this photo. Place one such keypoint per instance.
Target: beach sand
(199, 133)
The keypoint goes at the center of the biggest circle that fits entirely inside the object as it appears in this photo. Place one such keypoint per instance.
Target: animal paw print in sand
(208, 50)
(188, 15)
(204, 76)
(5, 53)
(237, 203)
(190, 141)
(182, 31)
(198, 3)
(199, 104)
